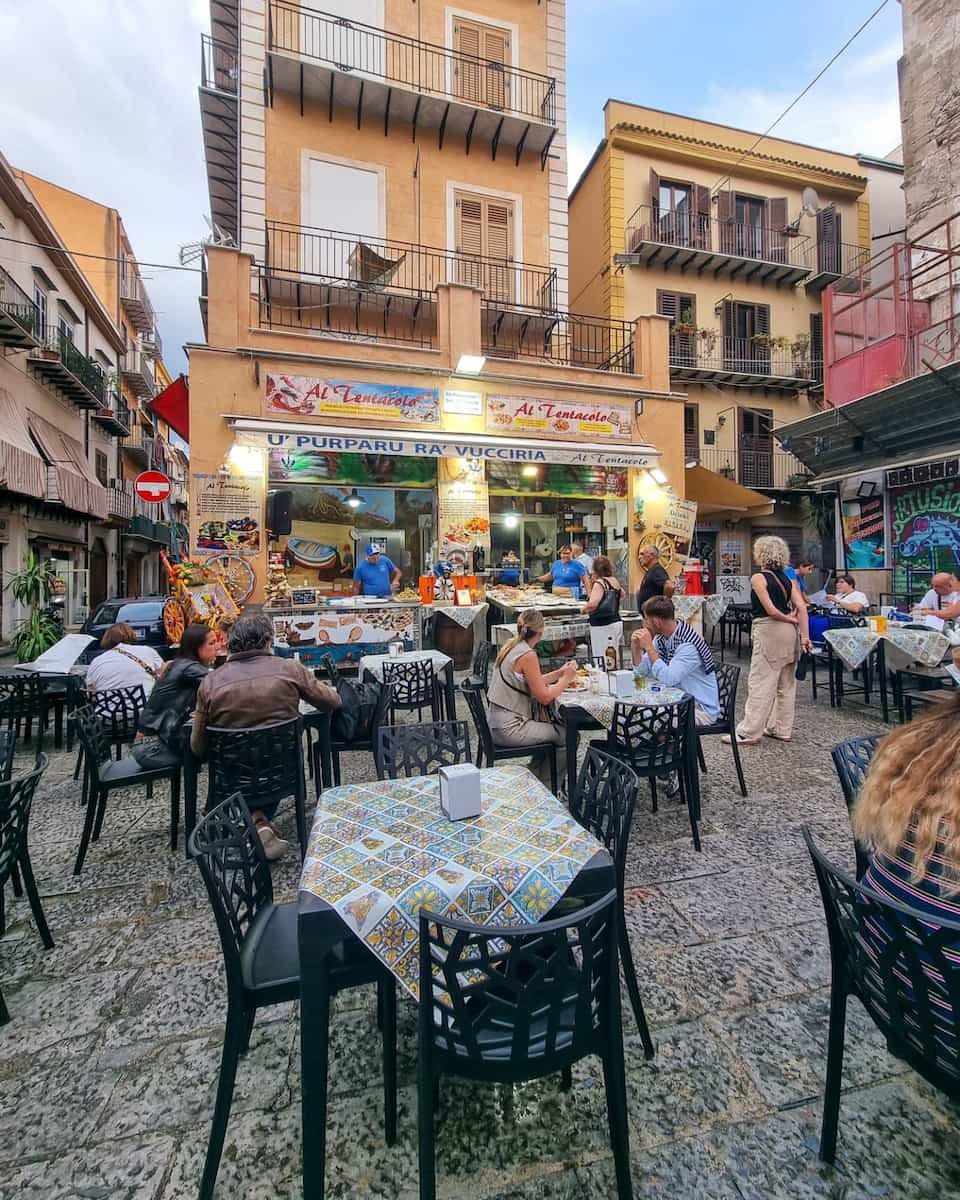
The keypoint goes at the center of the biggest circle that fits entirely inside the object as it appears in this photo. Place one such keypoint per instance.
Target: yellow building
(389, 190)
(733, 240)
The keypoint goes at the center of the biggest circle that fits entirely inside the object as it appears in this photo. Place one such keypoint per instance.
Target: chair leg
(426, 1101)
(150, 791)
(248, 1030)
(387, 988)
(687, 797)
(101, 811)
(300, 805)
(633, 988)
(553, 770)
(77, 766)
(16, 881)
(566, 1079)
(34, 897)
(87, 829)
(736, 762)
(4, 1013)
(3, 917)
(232, 1043)
(700, 759)
(831, 1093)
(335, 754)
(614, 1081)
(174, 808)
(653, 792)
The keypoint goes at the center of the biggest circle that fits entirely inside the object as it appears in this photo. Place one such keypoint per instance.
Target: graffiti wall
(925, 531)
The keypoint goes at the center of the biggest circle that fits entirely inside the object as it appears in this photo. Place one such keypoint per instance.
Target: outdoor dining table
(380, 851)
(63, 689)
(688, 606)
(896, 649)
(373, 664)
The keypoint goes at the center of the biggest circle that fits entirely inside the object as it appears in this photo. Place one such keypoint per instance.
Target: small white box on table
(460, 791)
(621, 684)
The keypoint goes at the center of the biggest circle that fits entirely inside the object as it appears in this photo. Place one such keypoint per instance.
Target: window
(484, 231)
(748, 215)
(746, 337)
(481, 63)
(340, 200)
(755, 436)
(681, 308)
(66, 326)
(691, 432)
(100, 466)
(40, 300)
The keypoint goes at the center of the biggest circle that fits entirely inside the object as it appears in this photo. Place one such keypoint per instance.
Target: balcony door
(748, 216)
(342, 212)
(485, 244)
(352, 41)
(681, 308)
(755, 447)
(481, 63)
(828, 241)
(746, 336)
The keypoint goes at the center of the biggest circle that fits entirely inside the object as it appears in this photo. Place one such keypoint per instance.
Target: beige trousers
(772, 684)
(509, 729)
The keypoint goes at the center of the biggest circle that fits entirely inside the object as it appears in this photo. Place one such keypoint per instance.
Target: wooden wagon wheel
(237, 575)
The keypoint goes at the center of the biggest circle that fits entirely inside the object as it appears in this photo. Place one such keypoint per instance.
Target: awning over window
(718, 497)
(70, 479)
(22, 470)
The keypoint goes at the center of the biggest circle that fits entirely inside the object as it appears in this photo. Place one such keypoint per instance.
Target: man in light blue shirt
(674, 654)
(376, 575)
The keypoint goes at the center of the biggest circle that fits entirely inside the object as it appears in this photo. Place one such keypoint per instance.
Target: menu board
(463, 508)
(228, 512)
(571, 419)
(309, 396)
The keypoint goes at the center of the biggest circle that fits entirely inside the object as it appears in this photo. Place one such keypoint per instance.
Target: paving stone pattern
(109, 1064)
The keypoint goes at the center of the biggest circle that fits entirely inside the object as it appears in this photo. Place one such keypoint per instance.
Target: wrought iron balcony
(136, 370)
(761, 466)
(686, 241)
(136, 302)
(331, 61)
(566, 339)
(831, 261)
(152, 344)
(115, 418)
(119, 500)
(219, 86)
(19, 316)
(746, 362)
(219, 66)
(58, 360)
(139, 442)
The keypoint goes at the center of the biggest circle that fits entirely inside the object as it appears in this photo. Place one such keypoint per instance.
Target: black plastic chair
(340, 746)
(485, 653)
(603, 804)
(8, 746)
(851, 759)
(728, 680)
(102, 776)
(895, 962)
(415, 686)
(657, 741)
(409, 750)
(262, 961)
(23, 700)
(16, 797)
(488, 750)
(264, 764)
(503, 1004)
(119, 711)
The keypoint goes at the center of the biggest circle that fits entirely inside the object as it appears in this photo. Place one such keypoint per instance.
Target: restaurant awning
(70, 479)
(173, 406)
(719, 497)
(22, 470)
(421, 443)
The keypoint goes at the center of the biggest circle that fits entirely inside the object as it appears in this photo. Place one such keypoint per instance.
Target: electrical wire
(793, 103)
(100, 257)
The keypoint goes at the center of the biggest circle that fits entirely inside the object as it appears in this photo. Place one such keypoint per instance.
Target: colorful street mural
(925, 531)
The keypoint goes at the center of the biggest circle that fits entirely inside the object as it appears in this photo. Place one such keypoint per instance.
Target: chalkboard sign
(304, 595)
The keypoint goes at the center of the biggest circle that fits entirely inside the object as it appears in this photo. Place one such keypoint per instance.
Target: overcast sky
(101, 97)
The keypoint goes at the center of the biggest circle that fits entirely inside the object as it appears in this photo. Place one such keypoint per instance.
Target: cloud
(102, 99)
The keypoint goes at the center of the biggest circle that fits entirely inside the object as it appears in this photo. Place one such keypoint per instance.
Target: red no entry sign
(152, 486)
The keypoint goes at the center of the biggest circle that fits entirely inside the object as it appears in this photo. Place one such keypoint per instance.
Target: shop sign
(680, 519)
(463, 404)
(228, 514)
(562, 418)
(308, 396)
(863, 532)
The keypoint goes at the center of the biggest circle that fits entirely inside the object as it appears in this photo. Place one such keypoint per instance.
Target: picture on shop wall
(863, 533)
(925, 530)
(307, 465)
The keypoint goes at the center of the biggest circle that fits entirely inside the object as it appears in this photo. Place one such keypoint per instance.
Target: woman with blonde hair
(520, 695)
(779, 631)
(908, 814)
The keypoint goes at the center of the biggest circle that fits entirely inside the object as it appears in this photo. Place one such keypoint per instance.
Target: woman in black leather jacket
(174, 698)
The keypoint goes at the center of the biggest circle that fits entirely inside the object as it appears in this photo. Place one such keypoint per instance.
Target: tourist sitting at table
(566, 572)
(124, 663)
(517, 687)
(172, 700)
(943, 598)
(254, 687)
(603, 608)
(376, 575)
(846, 599)
(674, 654)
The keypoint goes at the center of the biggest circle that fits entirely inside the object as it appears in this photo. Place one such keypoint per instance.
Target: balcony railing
(139, 441)
(830, 261)
(566, 339)
(219, 66)
(135, 368)
(119, 500)
(363, 50)
(687, 241)
(19, 316)
(747, 361)
(58, 359)
(381, 265)
(762, 467)
(152, 344)
(134, 298)
(115, 418)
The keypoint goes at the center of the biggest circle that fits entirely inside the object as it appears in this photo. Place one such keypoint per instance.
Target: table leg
(573, 741)
(58, 723)
(314, 1052)
(326, 751)
(189, 796)
(450, 692)
(882, 669)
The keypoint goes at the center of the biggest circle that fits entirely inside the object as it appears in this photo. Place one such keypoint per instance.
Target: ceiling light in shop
(471, 364)
(530, 471)
(510, 521)
(354, 499)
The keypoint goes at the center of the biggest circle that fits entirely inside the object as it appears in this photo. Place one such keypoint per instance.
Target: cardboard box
(460, 791)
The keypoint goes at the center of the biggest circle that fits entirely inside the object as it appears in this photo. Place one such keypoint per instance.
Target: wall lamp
(471, 364)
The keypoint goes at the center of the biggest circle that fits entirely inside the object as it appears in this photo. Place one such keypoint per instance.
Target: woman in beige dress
(516, 683)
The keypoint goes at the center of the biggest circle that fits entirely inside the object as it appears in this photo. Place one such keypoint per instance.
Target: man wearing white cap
(376, 575)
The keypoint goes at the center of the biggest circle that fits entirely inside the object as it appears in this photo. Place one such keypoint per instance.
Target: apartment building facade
(733, 242)
(393, 180)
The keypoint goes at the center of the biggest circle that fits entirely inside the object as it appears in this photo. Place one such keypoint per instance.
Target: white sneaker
(273, 847)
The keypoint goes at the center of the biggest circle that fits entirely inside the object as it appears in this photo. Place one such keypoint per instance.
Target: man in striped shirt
(674, 654)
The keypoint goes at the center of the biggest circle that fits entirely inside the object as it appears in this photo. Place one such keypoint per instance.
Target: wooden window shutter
(816, 345)
(483, 54)
(499, 237)
(702, 227)
(668, 305)
(777, 213)
(469, 244)
(466, 43)
(828, 240)
(654, 194)
(691, 431)
(775, 238)
(726, 208)
(729, 319)
(484, 230)
(761, 319)
(496, 53)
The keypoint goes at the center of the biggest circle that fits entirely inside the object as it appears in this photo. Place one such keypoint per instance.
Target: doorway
(98, 573)
(134, 574)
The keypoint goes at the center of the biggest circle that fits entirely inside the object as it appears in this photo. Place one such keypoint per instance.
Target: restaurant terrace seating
(408, 750)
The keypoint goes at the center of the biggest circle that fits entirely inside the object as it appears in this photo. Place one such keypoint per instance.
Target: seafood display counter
(344, 629)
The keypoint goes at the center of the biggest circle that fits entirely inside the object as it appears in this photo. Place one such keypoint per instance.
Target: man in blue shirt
(799, 574)
(566, 572)
(376, 575)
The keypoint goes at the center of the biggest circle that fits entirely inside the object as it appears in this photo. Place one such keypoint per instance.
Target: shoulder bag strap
(139, 661)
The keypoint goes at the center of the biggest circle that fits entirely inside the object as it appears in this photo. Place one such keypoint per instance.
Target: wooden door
(755, 445)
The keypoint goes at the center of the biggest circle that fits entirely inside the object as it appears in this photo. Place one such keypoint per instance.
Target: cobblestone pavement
(109, 1064)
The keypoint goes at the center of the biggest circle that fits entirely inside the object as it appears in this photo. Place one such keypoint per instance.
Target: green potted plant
(685, 324)
(800, 349)
(761, 339)
(31, 586)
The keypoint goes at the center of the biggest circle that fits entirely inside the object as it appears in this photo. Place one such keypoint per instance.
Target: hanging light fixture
(354, 499)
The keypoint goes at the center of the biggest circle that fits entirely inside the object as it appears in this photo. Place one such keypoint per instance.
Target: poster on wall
(309, 396)
(308, 465)
(925, 531)
(463, 509)
(731, 558)
(863, 532)
(228, 513)
(679, 521)
(562, 418)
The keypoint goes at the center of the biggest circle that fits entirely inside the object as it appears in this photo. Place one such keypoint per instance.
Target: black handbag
(804, 663)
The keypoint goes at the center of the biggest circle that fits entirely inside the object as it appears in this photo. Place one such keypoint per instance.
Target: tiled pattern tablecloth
(903, 646)
(381, 851)
(713, 607)
(601, 707)
(374, 662)
(463, 615)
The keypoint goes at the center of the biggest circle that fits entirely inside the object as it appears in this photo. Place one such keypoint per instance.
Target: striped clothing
(685, 635)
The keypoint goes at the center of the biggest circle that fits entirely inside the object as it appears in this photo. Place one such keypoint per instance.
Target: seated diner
(124, 663)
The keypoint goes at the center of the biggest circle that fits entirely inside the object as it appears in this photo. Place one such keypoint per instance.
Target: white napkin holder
(621, 684)
(460, 791)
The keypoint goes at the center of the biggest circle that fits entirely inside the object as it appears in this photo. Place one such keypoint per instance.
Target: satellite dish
(810, 202)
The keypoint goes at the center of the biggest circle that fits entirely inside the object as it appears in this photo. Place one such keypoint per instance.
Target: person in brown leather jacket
(254, 687)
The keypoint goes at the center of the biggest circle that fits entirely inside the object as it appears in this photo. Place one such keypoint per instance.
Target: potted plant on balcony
(31, 586)
(800, 351)
(708, 340)
(685, 324)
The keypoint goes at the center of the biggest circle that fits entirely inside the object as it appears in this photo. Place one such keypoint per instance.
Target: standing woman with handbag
(603, 608)
(779, 632)
(521, 698)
